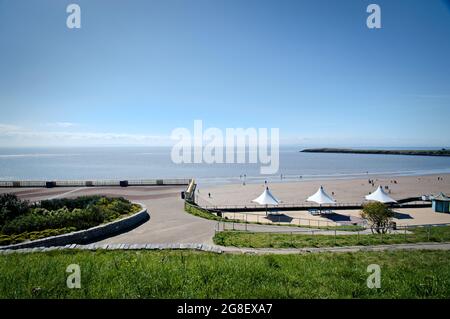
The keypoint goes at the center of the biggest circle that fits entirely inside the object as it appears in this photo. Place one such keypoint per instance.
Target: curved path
(168, 223)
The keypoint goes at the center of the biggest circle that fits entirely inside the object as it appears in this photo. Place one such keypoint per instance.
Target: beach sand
(345, 191)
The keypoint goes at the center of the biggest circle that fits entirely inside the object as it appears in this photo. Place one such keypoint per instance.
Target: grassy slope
(260, 240)
(176, 274)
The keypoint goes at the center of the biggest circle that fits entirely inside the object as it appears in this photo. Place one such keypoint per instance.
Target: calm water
(155, 162)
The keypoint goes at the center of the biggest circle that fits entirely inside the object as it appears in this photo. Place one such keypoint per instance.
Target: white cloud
(9, 128)
(65, 124)
(62, 124)
(11, 135)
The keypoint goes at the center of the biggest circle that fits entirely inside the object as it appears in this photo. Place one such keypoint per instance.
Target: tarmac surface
(168, 222)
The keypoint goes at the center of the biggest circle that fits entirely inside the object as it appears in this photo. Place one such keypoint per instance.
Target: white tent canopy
(380, 196)
(266, 198)
(320, 197)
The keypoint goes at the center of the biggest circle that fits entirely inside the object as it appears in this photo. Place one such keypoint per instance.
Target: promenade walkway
(168, 223)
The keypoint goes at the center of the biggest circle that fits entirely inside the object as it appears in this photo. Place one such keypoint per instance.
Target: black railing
(93, 183)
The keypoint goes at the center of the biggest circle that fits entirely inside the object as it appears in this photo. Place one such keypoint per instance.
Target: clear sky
(136, 70)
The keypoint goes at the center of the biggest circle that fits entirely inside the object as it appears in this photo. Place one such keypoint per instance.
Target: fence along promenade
(96, 183)
(306, 206)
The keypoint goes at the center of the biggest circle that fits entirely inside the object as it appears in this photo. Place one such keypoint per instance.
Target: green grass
(200, 212)
(276, 240)
(351, 228)
(177, 274)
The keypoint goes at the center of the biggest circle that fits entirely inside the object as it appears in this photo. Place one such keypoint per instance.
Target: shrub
(70, 203)
(11, 207)
(378, 215)
(79, 213)
(14, 239)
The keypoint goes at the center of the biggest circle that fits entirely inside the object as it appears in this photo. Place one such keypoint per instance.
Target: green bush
(11, 207)
(70, 203)
(18, 238)
(379, 216)
(78, 213)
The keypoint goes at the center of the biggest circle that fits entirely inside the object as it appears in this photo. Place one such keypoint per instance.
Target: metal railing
(87, 183)
(275, 220)
(290, 205)
(306, 206)
(397, 235)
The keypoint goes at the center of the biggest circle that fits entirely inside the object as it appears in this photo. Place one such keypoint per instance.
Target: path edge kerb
(88, 235)
(234, 250)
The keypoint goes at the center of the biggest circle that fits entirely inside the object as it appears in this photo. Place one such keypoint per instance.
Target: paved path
(168, 223)
(234, 250)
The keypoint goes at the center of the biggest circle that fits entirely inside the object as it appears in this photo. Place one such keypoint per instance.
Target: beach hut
(321, 197)
(266, 199)
(441, 203)
(380, 196)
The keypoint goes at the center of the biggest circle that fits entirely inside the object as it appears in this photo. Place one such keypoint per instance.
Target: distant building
(441, 203)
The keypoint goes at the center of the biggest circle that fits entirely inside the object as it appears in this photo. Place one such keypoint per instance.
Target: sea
(89, 163)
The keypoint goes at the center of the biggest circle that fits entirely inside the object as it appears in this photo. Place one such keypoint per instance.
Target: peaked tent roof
(320, 197)
(266, 198)
(380, 196)
(442, 197)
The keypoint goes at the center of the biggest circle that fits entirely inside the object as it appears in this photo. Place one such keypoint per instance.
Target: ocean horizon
(87, 163)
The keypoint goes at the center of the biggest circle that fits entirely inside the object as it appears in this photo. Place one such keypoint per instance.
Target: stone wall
(88, 235)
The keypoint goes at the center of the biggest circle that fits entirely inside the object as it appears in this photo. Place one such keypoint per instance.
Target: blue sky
(136, 70)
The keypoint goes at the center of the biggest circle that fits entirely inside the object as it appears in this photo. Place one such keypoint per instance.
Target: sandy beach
(345, 191)
(170, 223)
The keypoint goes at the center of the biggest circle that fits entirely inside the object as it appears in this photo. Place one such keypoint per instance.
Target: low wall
(93, 183)
(87, 235)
